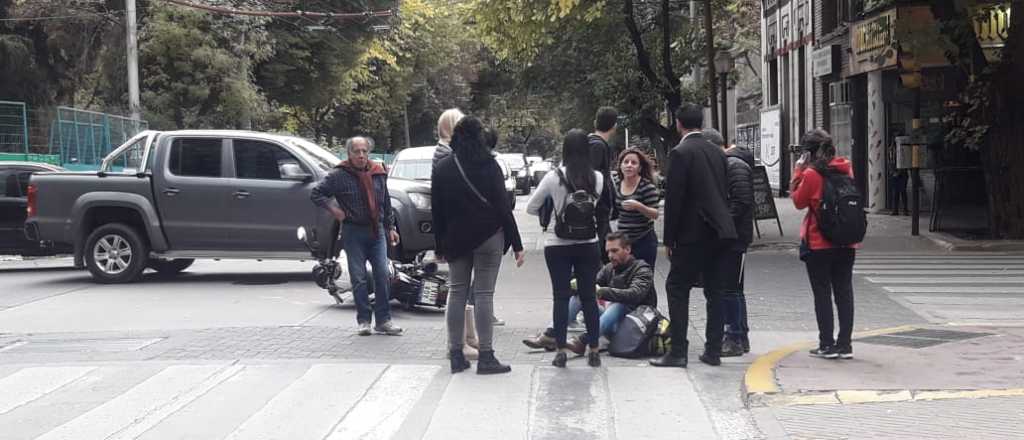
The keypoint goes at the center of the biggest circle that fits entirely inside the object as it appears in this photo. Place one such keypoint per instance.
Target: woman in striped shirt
(637, 199)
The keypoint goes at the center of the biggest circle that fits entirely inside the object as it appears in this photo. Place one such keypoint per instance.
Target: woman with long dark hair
(470, 181)
(573, 250)
(637, 199)
(829, 266)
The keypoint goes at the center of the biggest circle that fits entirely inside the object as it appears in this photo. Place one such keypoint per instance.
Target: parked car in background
(520, 168)
(164, 199)
(510, 181)
(15, 176)
(540, 169)
(409, 188)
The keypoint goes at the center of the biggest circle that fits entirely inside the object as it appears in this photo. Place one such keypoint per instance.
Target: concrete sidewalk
(886, 233)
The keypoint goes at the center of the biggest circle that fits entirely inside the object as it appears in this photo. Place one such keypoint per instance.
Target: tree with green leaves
(627, 53)
(992, 105)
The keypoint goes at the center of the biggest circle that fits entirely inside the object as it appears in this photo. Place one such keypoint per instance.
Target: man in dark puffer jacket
(741, 207)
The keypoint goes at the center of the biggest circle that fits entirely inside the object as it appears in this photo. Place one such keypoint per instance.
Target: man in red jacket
(829, 267)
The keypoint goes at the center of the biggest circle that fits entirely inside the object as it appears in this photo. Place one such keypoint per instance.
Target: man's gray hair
(352, 140)
(713, 136)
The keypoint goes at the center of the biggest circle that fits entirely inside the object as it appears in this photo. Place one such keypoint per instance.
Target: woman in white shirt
(573, 249)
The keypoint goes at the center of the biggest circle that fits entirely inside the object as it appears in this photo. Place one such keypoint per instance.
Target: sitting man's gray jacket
(632, 284)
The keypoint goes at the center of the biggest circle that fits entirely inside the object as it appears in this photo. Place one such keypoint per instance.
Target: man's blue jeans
(361, 246)
(610, 317)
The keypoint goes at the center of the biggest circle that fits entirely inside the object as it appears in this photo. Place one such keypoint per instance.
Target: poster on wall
(771, 138)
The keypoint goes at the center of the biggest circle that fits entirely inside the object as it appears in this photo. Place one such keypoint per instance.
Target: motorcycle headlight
(522, 172)
(419, 200)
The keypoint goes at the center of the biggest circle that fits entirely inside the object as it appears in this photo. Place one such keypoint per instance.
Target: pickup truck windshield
(323, 158)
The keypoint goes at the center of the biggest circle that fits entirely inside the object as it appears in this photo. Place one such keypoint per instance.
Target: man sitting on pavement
(625, 283)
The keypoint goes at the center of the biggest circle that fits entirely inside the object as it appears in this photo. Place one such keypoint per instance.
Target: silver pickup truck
(164, 199)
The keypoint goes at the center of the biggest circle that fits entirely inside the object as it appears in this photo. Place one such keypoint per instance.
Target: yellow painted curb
(863, 396)
(967, 394)
(760, 376)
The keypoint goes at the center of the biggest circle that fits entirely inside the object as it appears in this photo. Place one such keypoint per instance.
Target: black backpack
(841, 217)
(576, 219)
(636, 333)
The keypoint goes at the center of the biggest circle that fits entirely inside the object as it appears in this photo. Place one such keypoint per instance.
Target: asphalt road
(256, 334)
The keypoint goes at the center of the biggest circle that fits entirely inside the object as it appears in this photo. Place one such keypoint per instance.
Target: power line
(63, 17)
(304, 14)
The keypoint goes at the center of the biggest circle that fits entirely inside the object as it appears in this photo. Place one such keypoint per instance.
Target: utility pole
(133, 60)
(405, 117)
(712, 77)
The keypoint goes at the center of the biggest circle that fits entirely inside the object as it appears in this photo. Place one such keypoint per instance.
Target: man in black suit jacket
(698, 227)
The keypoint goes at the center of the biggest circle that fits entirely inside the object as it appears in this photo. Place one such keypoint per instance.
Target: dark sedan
(15, 177)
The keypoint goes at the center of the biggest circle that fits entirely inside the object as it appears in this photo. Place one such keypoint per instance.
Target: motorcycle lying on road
(416, 284)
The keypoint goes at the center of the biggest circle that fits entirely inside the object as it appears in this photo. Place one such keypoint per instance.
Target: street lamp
(724, 63)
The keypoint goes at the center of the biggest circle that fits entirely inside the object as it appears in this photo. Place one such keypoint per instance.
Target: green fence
(13, 127)
(82, 138)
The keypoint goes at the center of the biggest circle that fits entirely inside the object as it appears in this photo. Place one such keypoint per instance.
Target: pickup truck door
(193, 195)
(270, 202)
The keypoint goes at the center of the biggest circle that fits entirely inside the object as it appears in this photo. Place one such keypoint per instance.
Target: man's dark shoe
(745, 341)
(845, 352)
(541, 341)
(488, 364)
(711, 359)
(828, 352)
(577, 346)
(458, 361)
(731, 348)
(670, 360)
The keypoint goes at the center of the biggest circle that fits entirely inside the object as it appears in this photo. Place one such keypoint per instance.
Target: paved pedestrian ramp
(335, 401)
(965, 289)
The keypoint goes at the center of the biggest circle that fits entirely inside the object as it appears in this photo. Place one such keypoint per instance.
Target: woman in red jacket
(829, 267)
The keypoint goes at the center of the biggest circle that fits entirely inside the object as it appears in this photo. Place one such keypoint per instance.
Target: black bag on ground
(841, 218)
(633, 337)
(576, 220)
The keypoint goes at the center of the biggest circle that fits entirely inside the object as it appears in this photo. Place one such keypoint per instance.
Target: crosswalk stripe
(142, 407)
(29, 384)
(574, 404)
(934, 266)
(954, 289)
(940, 279)
(948, 256)
(385, 406)
(939, 272)
(1016, 262)
(219, 412)
(312, 405)
(498, 413)
(672, 409)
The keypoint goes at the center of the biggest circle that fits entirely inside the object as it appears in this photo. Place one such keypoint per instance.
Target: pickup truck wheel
(116, 253)
(167, 267)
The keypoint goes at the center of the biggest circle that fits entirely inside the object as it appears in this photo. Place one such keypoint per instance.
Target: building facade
(842, 65)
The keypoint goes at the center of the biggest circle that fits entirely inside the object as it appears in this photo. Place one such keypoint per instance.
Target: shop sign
(822, 61)
(992, 26)
(771, 137)
(873, 43)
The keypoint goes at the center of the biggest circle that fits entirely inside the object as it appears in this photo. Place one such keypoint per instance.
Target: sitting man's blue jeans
(611, 316)
(360, 247)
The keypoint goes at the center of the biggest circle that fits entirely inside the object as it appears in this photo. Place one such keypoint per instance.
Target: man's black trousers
(689, 262)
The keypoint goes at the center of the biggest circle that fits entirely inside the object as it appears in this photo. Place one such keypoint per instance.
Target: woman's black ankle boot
(488, 364)
(560, 359)
(458, 361)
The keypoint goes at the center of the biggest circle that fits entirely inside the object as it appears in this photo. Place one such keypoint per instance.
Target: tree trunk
(1004, 155)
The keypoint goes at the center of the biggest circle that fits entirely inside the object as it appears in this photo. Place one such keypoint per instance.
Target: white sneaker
(388, 328)
(364, 329)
